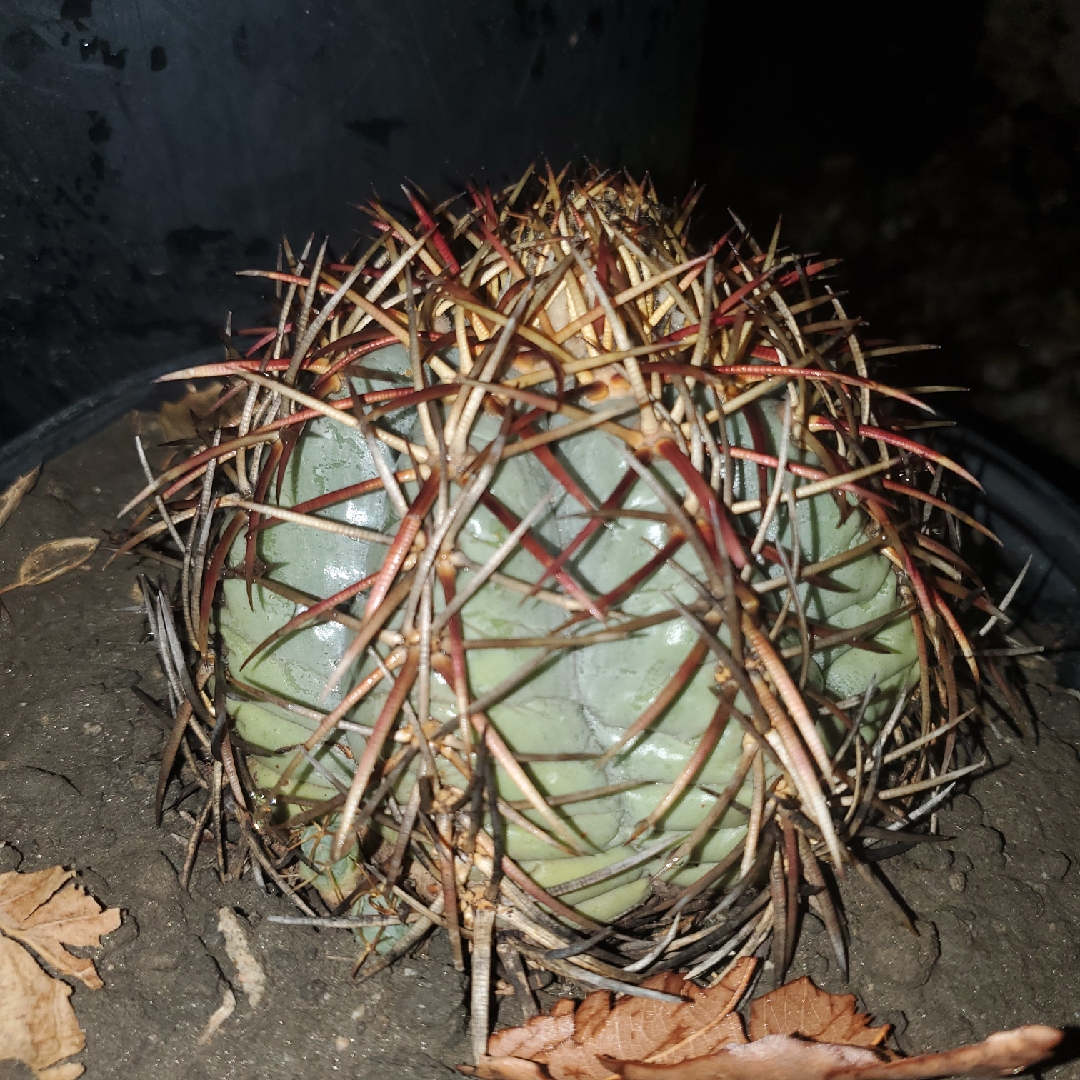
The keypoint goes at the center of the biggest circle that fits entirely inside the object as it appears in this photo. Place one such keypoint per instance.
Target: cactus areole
(559, 581)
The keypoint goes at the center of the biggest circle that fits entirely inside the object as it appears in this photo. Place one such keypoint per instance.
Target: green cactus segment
(584, 699)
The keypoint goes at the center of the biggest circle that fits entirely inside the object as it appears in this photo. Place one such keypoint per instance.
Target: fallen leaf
(51, 559)
(800, 1008)
(571, 1042)
(796, 1031)
(506, 1068)
(37, 1023)
(785, 1057)
(39, 914)
(1005, 1053)
(13, 494)
(538, 1035)
(178, 418)
(35, 913)
(776, 1057)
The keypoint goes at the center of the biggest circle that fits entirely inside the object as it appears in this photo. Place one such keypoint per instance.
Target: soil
(997, 905)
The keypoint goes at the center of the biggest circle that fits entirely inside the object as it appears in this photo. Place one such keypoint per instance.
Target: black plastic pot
(77, 422)
(1032, 517)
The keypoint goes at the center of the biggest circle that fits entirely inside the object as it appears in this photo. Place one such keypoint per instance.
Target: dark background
(149, 148)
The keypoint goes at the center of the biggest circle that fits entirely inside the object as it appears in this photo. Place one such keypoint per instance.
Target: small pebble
(957, 882)
(341, 1044)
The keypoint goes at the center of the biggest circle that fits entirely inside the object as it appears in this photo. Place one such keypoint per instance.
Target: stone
(907, 959)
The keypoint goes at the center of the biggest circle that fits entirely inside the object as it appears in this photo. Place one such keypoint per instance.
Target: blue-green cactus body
(582, 700)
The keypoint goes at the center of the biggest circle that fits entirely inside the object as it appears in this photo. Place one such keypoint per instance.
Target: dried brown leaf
(64, 1071)
(39, 913)
(800, 1008)
(37, 1023)
(795, 1031)
(506, 1068)
(178, 417)
(35, 913)
(51, 559)
(1005, 1053)
(571, 1042)
(782, 1057)
(11, 496)
(776, 1057)
(540, 1035)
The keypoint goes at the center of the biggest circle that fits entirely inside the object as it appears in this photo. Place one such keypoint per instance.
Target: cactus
(561, 583)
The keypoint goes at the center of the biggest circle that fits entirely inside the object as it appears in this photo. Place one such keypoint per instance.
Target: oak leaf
(796, 1031)
(39, 914)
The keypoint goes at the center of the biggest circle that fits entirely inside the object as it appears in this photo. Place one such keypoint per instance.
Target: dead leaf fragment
(35, 913)
(505, 1068)
(1005, 1053)
(783, 1057)
(179, 418)
(11, 496)
(37, 1023)
(538, 1035)
(571, 1043)
(797, 1031)
(776, 1057)
(800, 1008)
(51, 559)
(39, 914)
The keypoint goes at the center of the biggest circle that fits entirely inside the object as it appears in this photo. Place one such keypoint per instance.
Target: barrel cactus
(554, 584)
